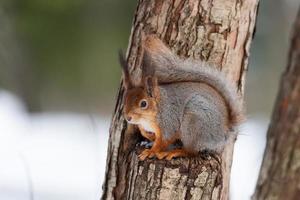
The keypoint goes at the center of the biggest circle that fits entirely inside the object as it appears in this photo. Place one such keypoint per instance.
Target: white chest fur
(146, 125)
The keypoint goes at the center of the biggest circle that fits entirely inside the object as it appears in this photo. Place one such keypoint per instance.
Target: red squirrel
(179, 99)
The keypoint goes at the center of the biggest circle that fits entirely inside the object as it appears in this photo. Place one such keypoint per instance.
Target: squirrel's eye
(143, 104)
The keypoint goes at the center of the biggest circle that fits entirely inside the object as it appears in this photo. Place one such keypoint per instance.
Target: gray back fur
(169, 68)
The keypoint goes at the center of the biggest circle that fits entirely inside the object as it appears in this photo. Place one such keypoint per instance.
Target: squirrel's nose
(129, 118)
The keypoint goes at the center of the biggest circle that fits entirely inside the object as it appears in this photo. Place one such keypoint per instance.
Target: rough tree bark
(216, 31)
(280, 173)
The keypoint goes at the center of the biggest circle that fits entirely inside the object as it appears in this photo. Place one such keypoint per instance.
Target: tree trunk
(216, 31)
(280, 173)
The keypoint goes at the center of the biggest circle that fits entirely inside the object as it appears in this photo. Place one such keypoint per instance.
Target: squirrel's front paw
(161, 155)
(147, 153)
(166, 155)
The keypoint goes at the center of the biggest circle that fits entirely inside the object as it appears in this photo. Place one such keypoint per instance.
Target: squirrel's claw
(149, 153)
(146, 153)
(161, 155)
(166, 155)
(177, 153)
(171, 156)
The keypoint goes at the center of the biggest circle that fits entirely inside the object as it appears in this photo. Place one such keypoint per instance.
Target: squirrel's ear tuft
(125, 70)
(151, 86)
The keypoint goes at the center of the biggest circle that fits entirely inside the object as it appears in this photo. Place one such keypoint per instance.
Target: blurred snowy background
(58, 80)
(50, 155)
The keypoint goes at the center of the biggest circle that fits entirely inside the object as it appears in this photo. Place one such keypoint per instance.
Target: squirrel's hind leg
(202, 130)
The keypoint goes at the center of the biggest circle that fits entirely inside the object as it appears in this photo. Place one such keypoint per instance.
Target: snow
(50, 155)
(247, 158)
(62, 155)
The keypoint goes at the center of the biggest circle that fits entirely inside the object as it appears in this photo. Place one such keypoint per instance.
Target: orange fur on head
(133, 110)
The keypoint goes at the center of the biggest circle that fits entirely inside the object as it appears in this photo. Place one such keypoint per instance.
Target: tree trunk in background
(216, 31)
(280, 172)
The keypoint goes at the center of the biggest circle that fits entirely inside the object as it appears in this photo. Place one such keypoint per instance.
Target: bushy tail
(190, 71)
(169, 68)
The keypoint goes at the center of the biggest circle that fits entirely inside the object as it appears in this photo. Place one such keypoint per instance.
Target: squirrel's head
(140, 100)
